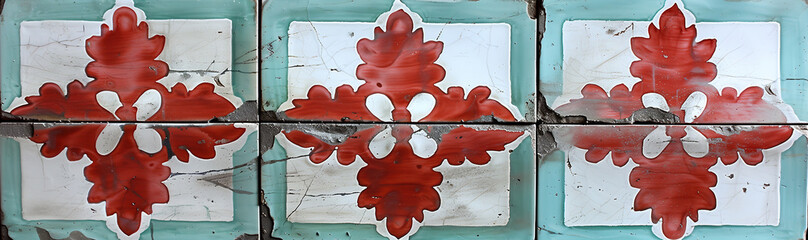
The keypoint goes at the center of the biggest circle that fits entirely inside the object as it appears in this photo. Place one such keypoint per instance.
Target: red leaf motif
(124, 57)
(346, 105)
(55, 139)
(467, 143)
(52, 104)
(749, 142)
(129, 181)
(200, 141)
(674, 186)
(400, 65)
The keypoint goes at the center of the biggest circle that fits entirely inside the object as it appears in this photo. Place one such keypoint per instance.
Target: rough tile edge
(267, 223)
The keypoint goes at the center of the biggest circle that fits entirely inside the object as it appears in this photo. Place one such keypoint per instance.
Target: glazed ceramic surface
(718, 84)
(399, 61)
(400, 181)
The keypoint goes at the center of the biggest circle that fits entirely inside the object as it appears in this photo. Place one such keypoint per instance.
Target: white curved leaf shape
(110, 101)
(655, 142)
(421, 105)
(148, 104)
(422, 145)
(147, 139)
(695, 143)
(382, 144)
(108, 139)
(655, 100)
(380, 106)
(694, 105)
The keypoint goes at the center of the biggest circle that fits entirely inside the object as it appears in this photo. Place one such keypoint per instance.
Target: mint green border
(520, 225)
(245, 212)
(242, 14)
(278, 14)
(792, 206)
(792, 16)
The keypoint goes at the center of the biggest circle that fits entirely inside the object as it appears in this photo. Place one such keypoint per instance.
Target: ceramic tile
(669, 182)
(388, 60)
(127, 181)
(372, 181)
(129, 61)
(675, 61)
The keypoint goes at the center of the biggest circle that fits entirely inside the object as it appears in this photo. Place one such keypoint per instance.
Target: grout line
(672, 124)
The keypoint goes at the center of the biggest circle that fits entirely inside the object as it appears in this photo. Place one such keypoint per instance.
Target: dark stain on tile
(246, 112)
(19, 130)
(74, 235)
(247, 237)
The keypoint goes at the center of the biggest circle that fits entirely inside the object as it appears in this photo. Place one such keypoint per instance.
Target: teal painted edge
(245, 212)
(278, 14)
(242, 14)
(520, 225)
(791, 15)
(792, 206)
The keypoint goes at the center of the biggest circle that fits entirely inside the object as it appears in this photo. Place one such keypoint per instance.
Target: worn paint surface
(316, 54)
(128, 68)
(115, 176)
(690, 70)
(409, 184)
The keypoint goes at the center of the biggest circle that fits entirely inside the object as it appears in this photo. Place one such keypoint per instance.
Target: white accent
(655, 142)
(108, 139)
(422, 145)
(694, 105)
(382, 144)
(110, 101)
(655, 100)
(141, 16)
(695, 143)
(147, 139)
(380, 106)
(112, 224)
(690, 19)
(148, 104)
(421, 105)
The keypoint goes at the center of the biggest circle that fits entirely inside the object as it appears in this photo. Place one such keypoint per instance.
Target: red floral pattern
(128, 179)
(399, 64)
(675, 185)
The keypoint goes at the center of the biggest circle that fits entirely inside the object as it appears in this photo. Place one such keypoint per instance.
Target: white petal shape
(655, 100)
(422, 146)
(381, 106)
(110, 101)
(655, 142)
(694, 105)
(147, 139)
(421, 105)
(148, 104)
(695, 143)
(382, 144)
(108, 139)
